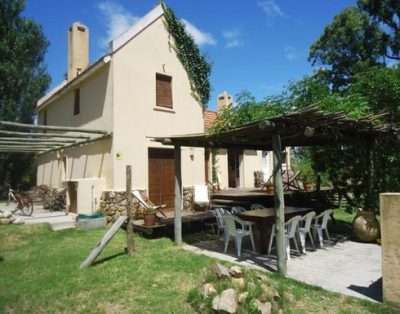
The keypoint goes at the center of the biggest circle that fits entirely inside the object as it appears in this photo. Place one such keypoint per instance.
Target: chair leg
(311, 239)
(327, 234)
(226, 243)
(252, 240)
(271, 239)
(320, 237)
(302, 236)
(295, 244)
(238, 242)
(287, 243)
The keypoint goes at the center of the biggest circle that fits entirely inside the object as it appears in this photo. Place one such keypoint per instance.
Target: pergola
(39, 139)
(306, 127)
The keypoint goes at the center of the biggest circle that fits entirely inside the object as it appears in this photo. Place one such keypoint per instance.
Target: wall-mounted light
(191, 153)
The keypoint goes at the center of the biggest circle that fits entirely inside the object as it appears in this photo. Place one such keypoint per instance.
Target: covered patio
(306, 127)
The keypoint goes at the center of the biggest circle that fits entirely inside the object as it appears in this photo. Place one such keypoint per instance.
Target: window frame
(77, 101)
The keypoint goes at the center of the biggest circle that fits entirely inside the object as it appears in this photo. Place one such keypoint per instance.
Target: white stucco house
(136, 91)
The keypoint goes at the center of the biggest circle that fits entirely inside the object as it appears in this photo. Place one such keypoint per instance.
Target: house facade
(236, 168)
(136, 91)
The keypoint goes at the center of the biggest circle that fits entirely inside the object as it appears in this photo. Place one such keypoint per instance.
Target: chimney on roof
(78, 49)
(224, 100)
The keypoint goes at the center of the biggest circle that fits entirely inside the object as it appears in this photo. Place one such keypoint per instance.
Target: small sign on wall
(119, 155)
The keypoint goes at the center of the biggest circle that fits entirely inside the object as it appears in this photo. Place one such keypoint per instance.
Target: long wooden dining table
(265, 218)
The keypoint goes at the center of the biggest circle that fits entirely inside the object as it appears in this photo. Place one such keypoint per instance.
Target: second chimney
(78, 49)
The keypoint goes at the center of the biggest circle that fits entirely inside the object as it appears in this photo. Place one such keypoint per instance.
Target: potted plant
(269, 186)
(150, 216)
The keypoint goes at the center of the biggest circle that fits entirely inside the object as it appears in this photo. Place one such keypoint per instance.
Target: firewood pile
(53, 199)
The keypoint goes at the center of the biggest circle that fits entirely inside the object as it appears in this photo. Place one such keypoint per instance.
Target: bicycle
(22, 202)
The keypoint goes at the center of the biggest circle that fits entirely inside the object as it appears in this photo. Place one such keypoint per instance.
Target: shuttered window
(163, 90)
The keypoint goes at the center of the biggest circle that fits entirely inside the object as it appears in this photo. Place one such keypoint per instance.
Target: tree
(351, 43)
(23, 79)
(387, 13)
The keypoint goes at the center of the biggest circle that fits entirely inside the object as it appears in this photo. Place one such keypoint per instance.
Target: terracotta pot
(270, 189)
(150, 219)
(308, 186)
(366, 226)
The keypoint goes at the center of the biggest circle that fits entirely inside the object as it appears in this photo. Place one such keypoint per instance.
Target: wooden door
(234, 157)
(162, 177)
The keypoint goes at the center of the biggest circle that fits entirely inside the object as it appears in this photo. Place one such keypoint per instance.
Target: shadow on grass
(1, 259)
(108, 258)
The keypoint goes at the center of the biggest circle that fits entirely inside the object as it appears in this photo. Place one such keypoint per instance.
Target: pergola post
(178, 196)
(279, 203)
(129, 241)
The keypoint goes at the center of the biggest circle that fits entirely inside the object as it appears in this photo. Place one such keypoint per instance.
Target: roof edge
(136, 28)
(62, 88)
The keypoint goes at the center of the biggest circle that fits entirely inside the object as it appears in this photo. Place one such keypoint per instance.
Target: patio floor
(344, 266)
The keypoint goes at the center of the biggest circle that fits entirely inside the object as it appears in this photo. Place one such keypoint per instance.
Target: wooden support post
(178, 196)
(279, 204)
(129, 229)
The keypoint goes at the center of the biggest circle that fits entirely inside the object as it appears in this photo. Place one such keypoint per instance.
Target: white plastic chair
(219, 213)
(290, 233)
(201, 196)
(305, 229)
(237, 234)
(255, 206)
(321, 224)
(238, 209)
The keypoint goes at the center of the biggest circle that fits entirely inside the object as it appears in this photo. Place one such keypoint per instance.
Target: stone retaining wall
(113, 204)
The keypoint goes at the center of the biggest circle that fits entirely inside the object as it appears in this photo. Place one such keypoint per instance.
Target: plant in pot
(308, 181)
(150, 216)
(269, 186)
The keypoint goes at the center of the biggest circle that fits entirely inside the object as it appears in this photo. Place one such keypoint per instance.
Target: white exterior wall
(252, 161)
(136, 116)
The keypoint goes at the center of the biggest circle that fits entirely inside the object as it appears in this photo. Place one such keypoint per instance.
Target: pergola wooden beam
(48, 127)
(30, 134)
(48, 145)
(35, 140)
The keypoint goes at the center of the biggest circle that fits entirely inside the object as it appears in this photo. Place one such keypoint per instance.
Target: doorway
(234, 160)
(162, 177)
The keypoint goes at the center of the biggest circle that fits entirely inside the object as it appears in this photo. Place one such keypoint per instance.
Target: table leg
(263, 228)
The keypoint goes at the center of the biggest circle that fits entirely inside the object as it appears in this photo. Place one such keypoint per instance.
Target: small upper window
(163, 90)
(44, 117)
(77, 102)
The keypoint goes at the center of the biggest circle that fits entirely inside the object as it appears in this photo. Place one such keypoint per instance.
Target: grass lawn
(39, 271)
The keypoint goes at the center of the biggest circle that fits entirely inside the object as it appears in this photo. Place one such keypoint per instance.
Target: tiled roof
(209, 118)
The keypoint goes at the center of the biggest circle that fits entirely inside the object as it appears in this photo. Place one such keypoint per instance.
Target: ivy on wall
(194, 62)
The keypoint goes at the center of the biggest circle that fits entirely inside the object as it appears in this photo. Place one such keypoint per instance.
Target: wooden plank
(35, 140)
(30, 134)
(178, 196)
(103, 242)
(279, 204)
(129, 229)
(48, 127)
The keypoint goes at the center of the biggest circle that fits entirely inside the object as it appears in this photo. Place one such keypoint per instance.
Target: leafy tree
(387, 13)
(351, 43)
(23, 79)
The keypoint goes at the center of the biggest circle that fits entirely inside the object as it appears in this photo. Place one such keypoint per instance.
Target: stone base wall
(113, 204)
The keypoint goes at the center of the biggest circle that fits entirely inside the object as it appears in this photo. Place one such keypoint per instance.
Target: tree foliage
(350, 43)
(195, 63)
(23, 79)
(387, 13)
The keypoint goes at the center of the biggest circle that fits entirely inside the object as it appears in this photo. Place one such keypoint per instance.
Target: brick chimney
(78, 49)
(224, 100)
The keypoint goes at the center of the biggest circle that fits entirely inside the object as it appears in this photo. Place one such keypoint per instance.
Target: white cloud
(291, 53)
(232, 38)
(200, 38)
(117, 20)
(271, 8)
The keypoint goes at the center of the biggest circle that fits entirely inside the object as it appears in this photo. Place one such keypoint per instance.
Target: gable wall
(136, 116)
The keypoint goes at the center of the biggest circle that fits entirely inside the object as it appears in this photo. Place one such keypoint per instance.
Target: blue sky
(257, 45)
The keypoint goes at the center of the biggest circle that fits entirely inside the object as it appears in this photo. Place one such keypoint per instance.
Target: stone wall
(113, 204)
(258, 179)
(390, 235)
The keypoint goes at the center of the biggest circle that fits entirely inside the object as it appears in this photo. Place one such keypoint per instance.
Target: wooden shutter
(164, 90)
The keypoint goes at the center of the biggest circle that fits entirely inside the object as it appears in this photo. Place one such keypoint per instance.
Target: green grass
(39, 271)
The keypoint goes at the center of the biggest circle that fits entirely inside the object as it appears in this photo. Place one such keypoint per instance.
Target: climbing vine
(194, 62)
